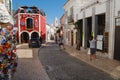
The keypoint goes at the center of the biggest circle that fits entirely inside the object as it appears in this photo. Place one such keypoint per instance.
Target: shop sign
(100, 42)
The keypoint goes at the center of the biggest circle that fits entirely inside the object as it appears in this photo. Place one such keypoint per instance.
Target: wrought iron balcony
(70, 19)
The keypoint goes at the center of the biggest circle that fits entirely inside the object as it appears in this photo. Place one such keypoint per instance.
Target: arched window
(29, 23)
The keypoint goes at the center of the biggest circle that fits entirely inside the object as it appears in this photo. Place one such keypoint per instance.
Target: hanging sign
(100, 42)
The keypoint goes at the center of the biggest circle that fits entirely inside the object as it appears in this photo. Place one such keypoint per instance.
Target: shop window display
(8, 57)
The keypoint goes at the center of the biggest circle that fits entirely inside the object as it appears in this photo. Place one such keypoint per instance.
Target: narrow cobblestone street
(30, 68)
(59, 40)
(61, 66)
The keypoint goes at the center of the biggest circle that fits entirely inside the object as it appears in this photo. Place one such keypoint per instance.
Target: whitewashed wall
(76, 4)
(88, 12)
(100, 8)
(114, 8)
(50, 30)
(80, 15)
(117, 7)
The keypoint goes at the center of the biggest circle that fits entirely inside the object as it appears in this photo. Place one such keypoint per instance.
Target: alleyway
(61, 66)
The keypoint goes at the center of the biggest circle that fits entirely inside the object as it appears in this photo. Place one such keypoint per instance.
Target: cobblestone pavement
(30, 68)
(109, 66)
(61, 66)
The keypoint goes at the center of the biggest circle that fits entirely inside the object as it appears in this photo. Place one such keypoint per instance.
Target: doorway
(34, 35)
(88, 31)
(117, 40)
(100, 34)
(100, 24)
(24, 37)
(80, 31)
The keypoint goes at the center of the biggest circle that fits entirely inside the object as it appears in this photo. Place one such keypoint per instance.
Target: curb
(114, 74)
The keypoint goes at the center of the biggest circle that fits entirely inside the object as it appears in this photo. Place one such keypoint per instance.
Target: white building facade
(70, 8)
(97, 18)
(50, 32)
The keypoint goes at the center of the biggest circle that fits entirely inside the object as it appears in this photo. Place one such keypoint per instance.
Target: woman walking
(92, 48)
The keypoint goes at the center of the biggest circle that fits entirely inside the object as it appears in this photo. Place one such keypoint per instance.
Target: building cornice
(67, 3)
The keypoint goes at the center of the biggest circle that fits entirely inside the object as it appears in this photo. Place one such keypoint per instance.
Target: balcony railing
(70, 19)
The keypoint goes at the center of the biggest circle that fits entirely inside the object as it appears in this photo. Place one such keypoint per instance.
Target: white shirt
(92, 43)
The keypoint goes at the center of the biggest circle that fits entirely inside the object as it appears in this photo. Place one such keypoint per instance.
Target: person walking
(60, 42)
(92, 42)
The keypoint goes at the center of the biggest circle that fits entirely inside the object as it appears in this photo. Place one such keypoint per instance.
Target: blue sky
(52, 8)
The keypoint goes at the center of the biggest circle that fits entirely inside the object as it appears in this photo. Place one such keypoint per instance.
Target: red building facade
(30, 22)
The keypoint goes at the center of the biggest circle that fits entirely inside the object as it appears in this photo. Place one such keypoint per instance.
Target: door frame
(117, 32)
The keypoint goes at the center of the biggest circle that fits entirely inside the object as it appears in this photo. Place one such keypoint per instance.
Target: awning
(5, 17)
